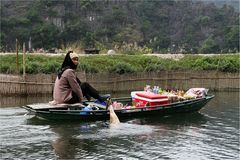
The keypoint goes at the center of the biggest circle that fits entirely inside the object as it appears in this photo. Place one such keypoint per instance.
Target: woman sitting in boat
(68, 88)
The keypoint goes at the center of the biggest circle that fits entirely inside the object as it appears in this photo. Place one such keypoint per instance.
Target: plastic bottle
(154, 89)
(160, 91)
(147, 88)
(157, 90)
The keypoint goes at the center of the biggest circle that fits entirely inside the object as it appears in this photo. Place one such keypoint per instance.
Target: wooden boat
(99, 112)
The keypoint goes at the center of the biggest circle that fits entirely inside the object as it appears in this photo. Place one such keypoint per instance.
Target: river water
(213, 133)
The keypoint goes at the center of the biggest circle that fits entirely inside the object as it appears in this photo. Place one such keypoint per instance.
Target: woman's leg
(83, 90)
(88, 90)
(74, 99)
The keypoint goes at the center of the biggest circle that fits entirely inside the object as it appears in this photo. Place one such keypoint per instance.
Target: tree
(209, 46)
(45, 36)
(2, 42)
(129, 35)
(232, 38)
(154, 24)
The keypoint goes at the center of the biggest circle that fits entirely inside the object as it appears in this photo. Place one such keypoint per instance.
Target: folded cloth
(52, 102)
(197, 92)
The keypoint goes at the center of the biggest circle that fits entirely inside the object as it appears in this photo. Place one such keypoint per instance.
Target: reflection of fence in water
(43, 84)
(13, 101)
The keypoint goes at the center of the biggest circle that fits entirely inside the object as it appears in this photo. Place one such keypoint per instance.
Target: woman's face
(75, 60)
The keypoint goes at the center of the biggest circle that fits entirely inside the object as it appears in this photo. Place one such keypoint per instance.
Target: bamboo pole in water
(17, 55)
(24, 60)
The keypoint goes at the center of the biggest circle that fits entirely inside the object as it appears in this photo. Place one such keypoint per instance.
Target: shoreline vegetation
(121, 63)
(120, 73)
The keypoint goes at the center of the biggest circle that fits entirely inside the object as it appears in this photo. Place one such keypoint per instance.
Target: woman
(68, 88)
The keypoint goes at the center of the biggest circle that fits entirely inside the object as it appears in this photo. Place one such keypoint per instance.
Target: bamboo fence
(113, 83)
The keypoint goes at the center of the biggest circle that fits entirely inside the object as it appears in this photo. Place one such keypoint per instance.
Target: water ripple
(213, 134)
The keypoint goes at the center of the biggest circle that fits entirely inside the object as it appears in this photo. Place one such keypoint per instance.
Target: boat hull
(67, 113)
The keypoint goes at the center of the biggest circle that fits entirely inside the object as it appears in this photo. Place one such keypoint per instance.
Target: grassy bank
(121, 63)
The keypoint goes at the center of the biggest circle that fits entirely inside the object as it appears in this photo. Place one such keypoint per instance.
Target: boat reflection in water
(213, 134)
(89, 139)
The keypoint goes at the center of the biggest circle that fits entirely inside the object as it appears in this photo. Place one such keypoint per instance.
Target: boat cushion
(150, 95)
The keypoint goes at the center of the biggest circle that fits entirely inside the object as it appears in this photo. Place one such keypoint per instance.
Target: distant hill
(164, 26)
(220, 3)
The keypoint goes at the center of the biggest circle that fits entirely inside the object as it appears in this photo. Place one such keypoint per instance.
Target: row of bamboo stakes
(113, 83)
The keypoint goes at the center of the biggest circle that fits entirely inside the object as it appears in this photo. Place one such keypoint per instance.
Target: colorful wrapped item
(196, 92)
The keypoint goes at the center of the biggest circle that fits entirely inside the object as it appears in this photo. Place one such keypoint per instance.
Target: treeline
(170, 26)
(121, 64)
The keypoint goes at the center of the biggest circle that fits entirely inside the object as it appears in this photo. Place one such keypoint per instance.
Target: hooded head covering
(73, 55)
(68, 63)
